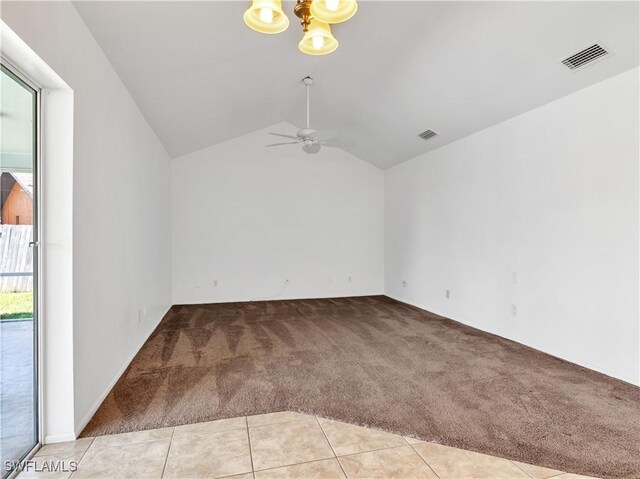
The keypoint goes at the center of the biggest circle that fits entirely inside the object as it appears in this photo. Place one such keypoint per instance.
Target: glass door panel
(18, 261)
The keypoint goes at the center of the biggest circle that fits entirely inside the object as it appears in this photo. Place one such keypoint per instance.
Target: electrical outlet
(196, 284)
(142, 313)
(404, 283)
(514, 310)
(348, 279)
(215, 283)
(447, 294)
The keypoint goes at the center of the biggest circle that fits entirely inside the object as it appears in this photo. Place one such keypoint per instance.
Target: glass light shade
(333, 11)
(266, 16)
(311, 148)
(318, 40)
(332, 4)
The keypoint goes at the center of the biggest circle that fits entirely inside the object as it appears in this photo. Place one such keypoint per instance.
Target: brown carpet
(377, 362)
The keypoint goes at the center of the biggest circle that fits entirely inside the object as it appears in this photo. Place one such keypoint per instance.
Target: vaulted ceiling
(200, 76)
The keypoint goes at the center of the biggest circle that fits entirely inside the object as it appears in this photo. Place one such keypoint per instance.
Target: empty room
(344, 239)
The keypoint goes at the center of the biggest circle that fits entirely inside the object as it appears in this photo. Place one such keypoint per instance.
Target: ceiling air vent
(426, 135)
(584, 57)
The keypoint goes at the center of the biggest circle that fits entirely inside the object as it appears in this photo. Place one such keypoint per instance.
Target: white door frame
(37, 232)
(55, 235)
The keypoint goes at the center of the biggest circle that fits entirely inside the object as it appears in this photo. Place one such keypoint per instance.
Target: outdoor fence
(16, 258)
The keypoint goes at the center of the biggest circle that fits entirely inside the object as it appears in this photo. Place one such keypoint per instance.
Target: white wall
(249, 217)
(550, 196)
(121, 204)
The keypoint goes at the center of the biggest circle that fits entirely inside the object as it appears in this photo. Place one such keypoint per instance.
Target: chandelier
(316, 17)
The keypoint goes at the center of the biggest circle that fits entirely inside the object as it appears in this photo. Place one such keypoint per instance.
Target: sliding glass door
(18, 269)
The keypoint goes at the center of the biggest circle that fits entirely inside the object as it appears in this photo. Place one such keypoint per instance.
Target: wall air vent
(584, 57)
(426, 135)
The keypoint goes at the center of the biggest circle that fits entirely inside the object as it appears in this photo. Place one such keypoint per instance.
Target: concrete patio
(16, 389)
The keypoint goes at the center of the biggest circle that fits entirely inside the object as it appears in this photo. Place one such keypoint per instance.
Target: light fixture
(315, 16)
(333, 11)
(318, 39)
(266, 16)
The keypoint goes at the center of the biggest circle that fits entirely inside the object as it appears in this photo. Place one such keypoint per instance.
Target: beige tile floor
(277, 445)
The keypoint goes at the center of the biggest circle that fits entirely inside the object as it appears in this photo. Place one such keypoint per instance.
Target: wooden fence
(16, 258)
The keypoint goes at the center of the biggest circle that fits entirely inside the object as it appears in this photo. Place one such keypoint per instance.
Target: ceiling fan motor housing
(305, 133)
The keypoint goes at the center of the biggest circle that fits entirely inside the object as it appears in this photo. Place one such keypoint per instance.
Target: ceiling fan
(310, 139)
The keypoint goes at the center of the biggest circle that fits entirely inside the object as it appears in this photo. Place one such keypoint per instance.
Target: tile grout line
(216, 431)
(513, 462)
(246, 422)
(166, 458)
(291, 465)
(355, 424)
(560, 473)
(376, 450)
(424, 460)
(135, 441)
(331, 446)
(82, 457)
(371, 450)
(405, 438)
(301, 462)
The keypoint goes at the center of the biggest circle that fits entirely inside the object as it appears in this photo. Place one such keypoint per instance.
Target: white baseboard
(584, 364)
(243, 299)
(69, 436)
(87, 417)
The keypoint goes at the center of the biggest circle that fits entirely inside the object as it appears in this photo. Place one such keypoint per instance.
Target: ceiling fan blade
(287, 143)
(284, 136)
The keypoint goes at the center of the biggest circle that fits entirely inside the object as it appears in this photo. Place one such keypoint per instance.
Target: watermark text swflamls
(34, 465)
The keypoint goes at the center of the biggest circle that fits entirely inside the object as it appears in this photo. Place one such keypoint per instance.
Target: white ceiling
(200, 76)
